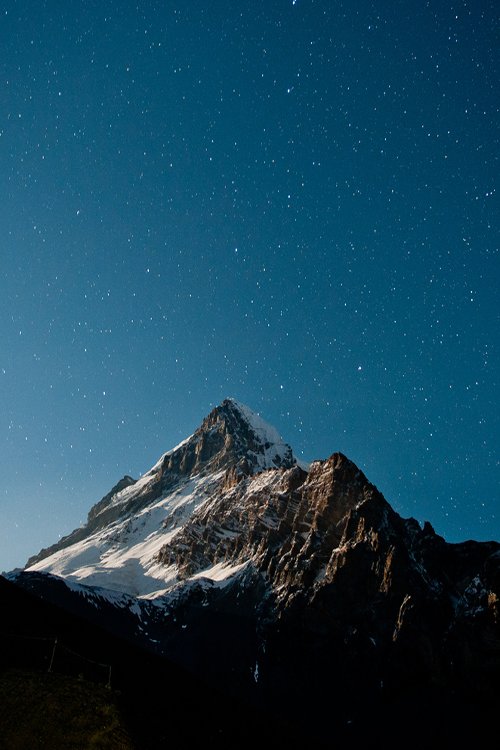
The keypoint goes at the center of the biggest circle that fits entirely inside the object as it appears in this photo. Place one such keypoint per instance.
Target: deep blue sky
(291, 203)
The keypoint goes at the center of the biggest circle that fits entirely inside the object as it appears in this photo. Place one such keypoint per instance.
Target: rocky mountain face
(231, 439)
(296, 586)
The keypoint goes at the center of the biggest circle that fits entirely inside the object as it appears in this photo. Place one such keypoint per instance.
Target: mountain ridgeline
(296, 587)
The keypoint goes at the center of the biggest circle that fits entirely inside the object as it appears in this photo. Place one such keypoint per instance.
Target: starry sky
(292, 203)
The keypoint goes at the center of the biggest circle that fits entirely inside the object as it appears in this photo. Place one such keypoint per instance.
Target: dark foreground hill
(150, 703)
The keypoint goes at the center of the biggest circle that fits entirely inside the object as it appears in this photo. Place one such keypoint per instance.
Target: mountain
(298, 587)
(119, 547)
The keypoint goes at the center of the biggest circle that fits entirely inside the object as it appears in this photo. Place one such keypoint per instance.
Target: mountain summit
(231, 436)
(295, 585)
(130, 522)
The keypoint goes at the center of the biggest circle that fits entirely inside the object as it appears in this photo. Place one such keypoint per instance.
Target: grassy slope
(54, 711)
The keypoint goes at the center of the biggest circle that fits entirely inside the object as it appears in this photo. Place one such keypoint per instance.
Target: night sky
(288, 202)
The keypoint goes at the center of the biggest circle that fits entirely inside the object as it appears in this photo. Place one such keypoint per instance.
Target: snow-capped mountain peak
(119, 545)
(246, 437)
(231, 436)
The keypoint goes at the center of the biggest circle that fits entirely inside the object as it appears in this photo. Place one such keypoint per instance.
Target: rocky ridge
(231, 439)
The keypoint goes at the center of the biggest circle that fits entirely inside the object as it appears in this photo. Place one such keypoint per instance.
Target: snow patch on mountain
(270, 438)
(122, 557)
(221, 572)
